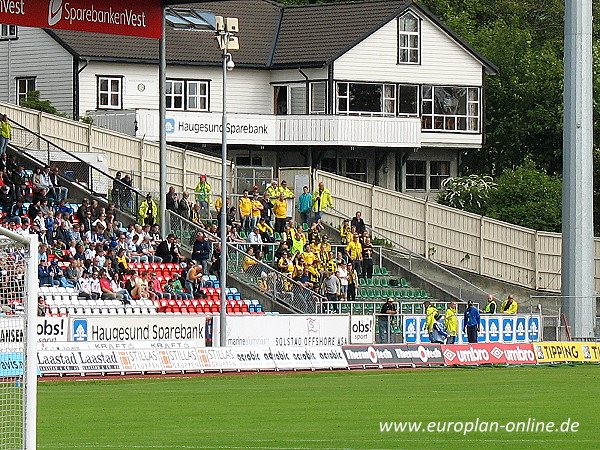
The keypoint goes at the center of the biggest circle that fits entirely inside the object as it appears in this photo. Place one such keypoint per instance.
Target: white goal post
(19, 288)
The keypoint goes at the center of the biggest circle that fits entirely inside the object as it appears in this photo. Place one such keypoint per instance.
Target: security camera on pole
(227, 28)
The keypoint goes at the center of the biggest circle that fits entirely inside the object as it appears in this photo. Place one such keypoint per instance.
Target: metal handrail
(92, 179)
(279, 287)
(412, 254)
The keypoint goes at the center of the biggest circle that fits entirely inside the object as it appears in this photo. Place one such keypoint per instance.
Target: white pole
(162, 117)
(223, 272)
(30, 356)
(578, 285)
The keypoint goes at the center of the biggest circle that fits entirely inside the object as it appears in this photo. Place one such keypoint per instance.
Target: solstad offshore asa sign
(141, 18)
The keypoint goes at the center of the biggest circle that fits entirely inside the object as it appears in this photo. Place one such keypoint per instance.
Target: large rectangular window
(409, 31)
(408, 100)
(110, 92)
(24, 85)
(438, 172)
(189, 95)
(366, 99)
(356, 169)
(291, 98)
(448, 108)
(416, 175)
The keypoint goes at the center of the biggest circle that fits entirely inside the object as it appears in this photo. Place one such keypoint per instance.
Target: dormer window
(409, 30)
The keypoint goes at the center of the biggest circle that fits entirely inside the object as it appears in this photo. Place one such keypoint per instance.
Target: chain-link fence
(555, 324)
(76, 169)
(249, 270)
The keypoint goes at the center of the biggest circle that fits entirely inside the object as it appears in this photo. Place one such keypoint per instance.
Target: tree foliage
(469, 193)
(32, 100)
(524, 196)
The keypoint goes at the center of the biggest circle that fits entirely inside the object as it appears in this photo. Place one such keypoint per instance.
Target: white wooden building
(380, 90)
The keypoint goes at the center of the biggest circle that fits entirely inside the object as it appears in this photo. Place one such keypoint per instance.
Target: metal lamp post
(226, 30)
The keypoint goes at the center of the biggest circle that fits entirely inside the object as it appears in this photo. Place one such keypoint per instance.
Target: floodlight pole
(223, 230)
(162, 117)
(578, 284)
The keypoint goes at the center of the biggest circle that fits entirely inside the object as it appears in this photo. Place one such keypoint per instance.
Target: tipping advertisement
(549, 352)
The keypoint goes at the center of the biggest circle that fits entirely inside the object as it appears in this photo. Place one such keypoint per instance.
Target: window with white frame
(174, 94)
(110, 92)
(450, 108)
(291, 98)
(24, 85)
(408, 100)
(366, 99)
(438, 172)
(318, 97)
(409, 30)
(197, 95)
(189, 95)
(416, 175)
(8, 31)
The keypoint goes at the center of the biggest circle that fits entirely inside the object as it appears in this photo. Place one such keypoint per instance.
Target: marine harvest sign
(141, 18)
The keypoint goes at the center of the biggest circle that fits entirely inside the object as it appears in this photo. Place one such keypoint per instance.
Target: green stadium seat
(362, 282)
(243, 235)
(345, 307)
(268, 258)
(384, 282)
(424, 294)
(305, 227)
(277, 236)
(377, 271)
(370, 308)
(357, 308)
(384, 271)
(404, 283)
(376, 282)
(370, 293)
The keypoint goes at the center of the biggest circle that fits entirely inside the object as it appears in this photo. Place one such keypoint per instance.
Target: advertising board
(287, 330)
(138, 328)
(502, 328)
(391, 355)
(488, 353)
(362, 329)
(140, 18)
(549, 352)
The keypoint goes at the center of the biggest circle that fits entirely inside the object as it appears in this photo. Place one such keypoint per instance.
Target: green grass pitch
(334, 410)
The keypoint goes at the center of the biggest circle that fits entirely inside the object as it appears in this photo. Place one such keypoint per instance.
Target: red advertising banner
(141, 18)
(475, 354)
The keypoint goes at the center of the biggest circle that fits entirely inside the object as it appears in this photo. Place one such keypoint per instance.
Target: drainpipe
(307, 100)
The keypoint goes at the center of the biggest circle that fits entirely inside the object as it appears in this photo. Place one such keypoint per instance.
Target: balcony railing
(264, 129)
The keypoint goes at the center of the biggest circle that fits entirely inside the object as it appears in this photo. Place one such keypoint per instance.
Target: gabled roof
(271, 35)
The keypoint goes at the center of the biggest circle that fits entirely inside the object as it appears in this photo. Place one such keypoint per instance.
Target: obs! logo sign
(55, 10)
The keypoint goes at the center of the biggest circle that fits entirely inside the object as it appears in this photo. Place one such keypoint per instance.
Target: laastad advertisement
(141, 18)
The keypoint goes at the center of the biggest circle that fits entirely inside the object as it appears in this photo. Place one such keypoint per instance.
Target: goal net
(18, 362)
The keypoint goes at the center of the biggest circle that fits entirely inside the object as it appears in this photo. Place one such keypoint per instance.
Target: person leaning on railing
(509, 306)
